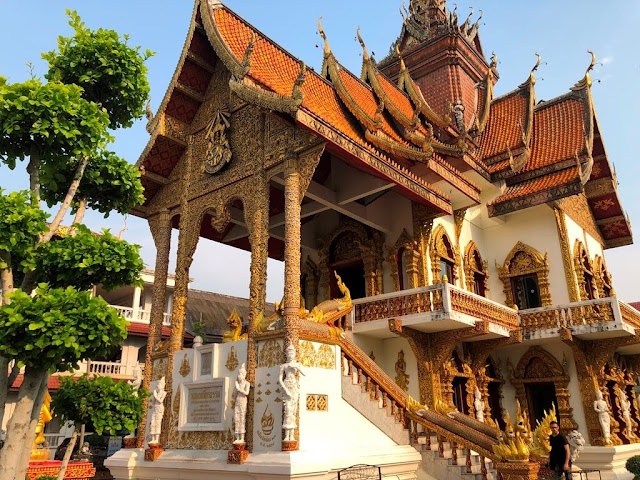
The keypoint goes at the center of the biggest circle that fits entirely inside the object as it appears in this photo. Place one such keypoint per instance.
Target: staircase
(455, 447)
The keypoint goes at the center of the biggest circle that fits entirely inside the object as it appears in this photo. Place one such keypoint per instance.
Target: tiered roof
(542, 151)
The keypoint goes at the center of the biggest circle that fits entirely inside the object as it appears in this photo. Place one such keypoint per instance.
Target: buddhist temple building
(446, 292)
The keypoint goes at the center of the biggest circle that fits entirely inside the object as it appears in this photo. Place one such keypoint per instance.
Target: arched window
(475, 270)
(584, 272)
(525, 276)
(603, 278)
(443, 257)
(405, 260)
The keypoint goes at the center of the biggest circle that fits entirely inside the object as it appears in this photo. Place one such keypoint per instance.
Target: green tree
(112, 407)
(95, 82)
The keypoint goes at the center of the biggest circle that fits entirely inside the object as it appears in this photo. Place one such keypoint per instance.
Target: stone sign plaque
(203, 405)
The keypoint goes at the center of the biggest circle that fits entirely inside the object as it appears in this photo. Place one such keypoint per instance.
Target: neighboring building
(351, 172)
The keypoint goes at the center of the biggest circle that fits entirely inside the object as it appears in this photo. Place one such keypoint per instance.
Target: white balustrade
(141, 316)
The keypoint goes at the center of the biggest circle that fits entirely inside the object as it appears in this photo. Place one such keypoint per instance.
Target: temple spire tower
(443, 54)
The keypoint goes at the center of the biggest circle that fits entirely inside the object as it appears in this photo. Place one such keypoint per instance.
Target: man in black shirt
(560, 454)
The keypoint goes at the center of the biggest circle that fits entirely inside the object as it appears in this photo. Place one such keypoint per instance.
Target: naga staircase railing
(462, 432)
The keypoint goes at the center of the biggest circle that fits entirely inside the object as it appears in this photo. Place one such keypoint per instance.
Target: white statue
(625, 406)
(576, 444)
(156, 407)
(479, 405)
(240, 411)
(290, 392)
(137, 379)
(602, 409)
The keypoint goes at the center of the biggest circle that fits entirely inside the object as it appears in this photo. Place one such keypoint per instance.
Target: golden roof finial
(537, 65)
(593, 62)
(327, 50)
(364, 48)
(402, 65)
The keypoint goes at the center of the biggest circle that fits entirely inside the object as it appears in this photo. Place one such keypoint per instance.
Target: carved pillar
(187, 242)
(291, 250)
(422, 226)
(566, 256)
(412, 261)
(256, 209)
(160, 226)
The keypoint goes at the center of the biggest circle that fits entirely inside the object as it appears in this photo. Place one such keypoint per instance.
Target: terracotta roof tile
(53, 384)
(558, 132)
(503, 128)
(539, 184)
(397, 96)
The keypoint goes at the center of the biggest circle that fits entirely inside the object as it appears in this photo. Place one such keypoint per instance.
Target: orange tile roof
(558, 132)
(539, 184)
(503, 128)
(275, 69)
(397, 96)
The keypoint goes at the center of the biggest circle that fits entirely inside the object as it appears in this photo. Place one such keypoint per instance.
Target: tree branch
(82, 208)
(73, 188)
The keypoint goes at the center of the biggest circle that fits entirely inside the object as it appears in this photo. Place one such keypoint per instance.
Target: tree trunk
(34, 174)
(82, 430)
(30, 434)
(6, 380)
(6, 277)
(68, 452)
(82, 208)
(11, 453)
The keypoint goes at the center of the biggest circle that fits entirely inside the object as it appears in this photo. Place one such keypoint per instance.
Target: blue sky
(561, 31)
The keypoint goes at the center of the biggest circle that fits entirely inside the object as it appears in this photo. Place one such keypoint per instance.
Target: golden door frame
(546, 369)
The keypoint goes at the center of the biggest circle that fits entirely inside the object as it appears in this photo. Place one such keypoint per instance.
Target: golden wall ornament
(525, 260)
(539, 366)
(402, 377)
(185, 368)
(232, 360)
(270, 354)
(218, 150)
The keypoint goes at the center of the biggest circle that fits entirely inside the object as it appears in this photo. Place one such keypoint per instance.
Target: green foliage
(87, 259)
(45, 477)
(111, 72)
(52, 118)
(109, 183)
(633, 465)
(111, 407)
(199, 330)
(20, 224)
(57, 328)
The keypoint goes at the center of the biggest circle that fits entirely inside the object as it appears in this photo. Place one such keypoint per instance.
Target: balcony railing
(141, 316)
(599, 317)
(443, 300)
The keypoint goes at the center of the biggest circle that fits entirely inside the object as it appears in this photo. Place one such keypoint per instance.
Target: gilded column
(292, 250)
(187, 242)
(257, 219)
(160, 226)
